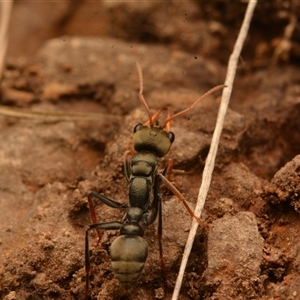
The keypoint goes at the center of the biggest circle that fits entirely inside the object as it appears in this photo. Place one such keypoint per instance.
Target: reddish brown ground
(251, 250)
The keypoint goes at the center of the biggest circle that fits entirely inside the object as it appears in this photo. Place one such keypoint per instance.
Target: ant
(129, 250)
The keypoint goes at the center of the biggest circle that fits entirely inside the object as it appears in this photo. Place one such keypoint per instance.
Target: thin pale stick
(5, 10)
(208, 169)
(55, 116)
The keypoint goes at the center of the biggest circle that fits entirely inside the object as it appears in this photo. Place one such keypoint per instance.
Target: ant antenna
(141, 96)
(216, 88)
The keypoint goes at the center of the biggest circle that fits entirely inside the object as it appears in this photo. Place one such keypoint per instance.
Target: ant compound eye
(137, 127)
(171, 136)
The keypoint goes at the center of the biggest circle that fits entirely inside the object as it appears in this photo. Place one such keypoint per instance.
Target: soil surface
(250, 250)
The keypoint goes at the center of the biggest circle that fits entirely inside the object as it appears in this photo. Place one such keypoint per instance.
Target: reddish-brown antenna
(216, 88)
(141, 96)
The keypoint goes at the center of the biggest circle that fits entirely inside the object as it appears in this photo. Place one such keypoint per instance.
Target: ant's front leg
(109, 202)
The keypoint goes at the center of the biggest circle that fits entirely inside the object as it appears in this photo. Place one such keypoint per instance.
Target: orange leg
(169, 169)
(109, 202)
(93, 215)
(181, 198)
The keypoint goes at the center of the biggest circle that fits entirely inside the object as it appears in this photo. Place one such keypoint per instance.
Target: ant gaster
(129, 250)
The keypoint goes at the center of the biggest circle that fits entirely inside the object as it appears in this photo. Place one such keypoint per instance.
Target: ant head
(152, 138)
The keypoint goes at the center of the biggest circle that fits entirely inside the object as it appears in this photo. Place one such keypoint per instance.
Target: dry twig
(55, 116)
(5, 10)
(283, 49)
(210, 161)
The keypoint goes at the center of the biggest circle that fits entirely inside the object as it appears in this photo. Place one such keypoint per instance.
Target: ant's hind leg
(109, 202)
(159, 237)
(107, 226)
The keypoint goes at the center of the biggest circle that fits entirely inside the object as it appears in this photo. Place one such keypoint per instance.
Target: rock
(234, 255)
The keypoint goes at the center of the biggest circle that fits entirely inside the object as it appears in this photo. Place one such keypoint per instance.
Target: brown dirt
(251, 249)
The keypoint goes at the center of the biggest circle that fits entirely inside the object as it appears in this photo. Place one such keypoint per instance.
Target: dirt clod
(234, 255)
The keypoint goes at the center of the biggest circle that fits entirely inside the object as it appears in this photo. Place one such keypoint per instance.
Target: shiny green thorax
(152, 138)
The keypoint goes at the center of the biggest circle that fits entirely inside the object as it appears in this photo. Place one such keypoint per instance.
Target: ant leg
(151, 215)
(159, 237)
(109, 202)
(181, 198)
(127, 162)
(97, 226)
(105, 200)
(167, 170)
(156, 209)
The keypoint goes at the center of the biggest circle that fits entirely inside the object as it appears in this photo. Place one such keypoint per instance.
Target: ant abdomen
(128, 256)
